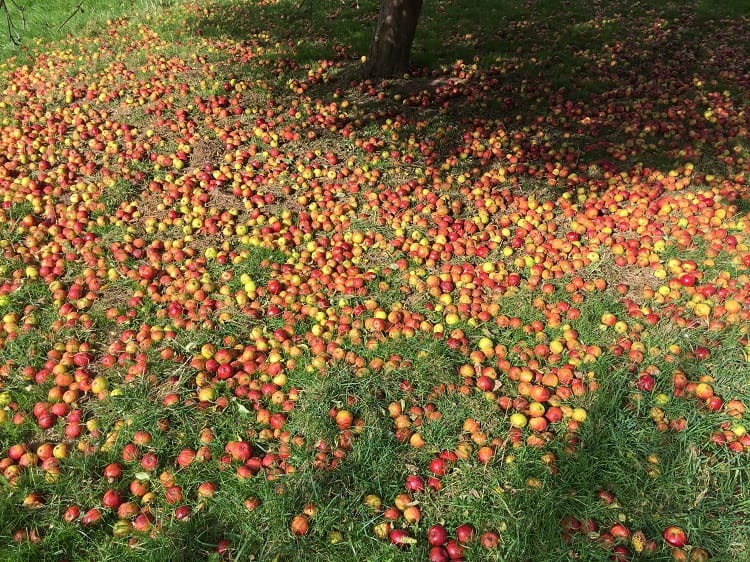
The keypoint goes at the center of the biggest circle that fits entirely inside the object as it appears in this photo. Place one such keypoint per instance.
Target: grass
(232, 83)
(35, 24)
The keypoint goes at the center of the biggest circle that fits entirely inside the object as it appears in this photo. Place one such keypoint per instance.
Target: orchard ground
(254, 308)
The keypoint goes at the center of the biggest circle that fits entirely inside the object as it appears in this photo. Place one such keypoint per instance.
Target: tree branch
(13, 33)
(77, 9)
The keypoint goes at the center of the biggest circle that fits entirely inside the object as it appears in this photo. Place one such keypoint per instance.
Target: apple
(702, 353)
(300, 525)
(646, 382)
(437, 535)
(412, 514)
(438, 466)
(251, 503)
(71, 514)
(112, 499)
(619, 531)
(112, 472)
(122, 528)
(128, 510)
(489, 540)
(455, 550)
(438, 554)
(518, 420)
(91, 517)
(173, 494)
(382, 530)
(344, 419)
(675, 536)
(414, 483)
(144, 521)
(373, 501)
(401, 538)
(714, 403)
(149, 461)
(465, 532)
(699, 554)
(620, 553)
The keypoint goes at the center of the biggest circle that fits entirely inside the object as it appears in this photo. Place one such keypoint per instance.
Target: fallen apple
(675, 536)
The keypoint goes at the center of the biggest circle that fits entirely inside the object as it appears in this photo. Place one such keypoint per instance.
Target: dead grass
(206, 151)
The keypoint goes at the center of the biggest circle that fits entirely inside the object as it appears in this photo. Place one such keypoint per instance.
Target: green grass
(36, 24)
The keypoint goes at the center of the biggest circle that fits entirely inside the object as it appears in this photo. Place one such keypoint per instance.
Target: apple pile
(185, 250)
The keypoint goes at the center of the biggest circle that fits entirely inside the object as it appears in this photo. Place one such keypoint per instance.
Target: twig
(77, 9)
(13, 34)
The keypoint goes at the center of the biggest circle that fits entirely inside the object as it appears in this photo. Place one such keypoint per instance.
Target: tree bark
(390, 49)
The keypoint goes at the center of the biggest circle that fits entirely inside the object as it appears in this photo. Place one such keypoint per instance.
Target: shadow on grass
(616, 85)
(626, 472)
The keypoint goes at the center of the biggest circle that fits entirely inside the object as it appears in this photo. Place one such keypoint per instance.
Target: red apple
(143, 521)
(454, 549)
(414, 483)
(465, 532)
(438, 554)
(112, 499)
(675, 536)
(182, 512)
(71, 514)
(401, 538)
(173, 494)
(437, 535)
(439, 466)
(619, 531)
(91, 517)
(646, 383)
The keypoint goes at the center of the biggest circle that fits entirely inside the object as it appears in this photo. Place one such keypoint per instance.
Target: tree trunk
(391, 47)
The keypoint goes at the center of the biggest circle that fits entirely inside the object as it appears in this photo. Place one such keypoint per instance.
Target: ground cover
(255, 308)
